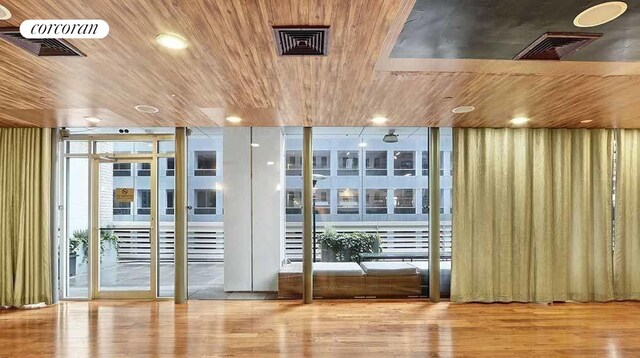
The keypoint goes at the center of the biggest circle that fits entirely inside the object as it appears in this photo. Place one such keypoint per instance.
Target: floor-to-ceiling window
(446, 208)
(205, 227)
(74, 252)
(363, 185)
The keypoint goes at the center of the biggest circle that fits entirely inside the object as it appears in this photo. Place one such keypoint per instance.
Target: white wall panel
(268, 207)
(237, 209)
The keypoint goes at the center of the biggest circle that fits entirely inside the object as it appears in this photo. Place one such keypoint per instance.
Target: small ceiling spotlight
(92, 119)
(5, 14)
(586, 121)
(379, 120)
(271, 163)
(234, 119)
(600, 14)
(255, 145)
(362, 144)
(172, 41)
(463, 109)
(143, 108)
(519, 120)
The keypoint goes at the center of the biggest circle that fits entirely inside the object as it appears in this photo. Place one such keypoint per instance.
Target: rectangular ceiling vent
(302, 41)
(556, 45)
(39, 47)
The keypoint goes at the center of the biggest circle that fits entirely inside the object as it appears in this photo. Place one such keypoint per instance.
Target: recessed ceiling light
(362, 144)
(234, 119)
(586, 121)
(271, 163)
(463, 109)
(146, 109)
(171, 41)
(600, 14)
(255, 145)
(5, 14)
(379, 120)
(92, 119)
(519, 120)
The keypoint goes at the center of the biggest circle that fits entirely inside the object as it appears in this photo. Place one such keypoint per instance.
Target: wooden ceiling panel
(231, 68)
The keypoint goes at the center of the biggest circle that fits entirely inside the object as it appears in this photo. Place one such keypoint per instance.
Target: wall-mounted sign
(124, 195)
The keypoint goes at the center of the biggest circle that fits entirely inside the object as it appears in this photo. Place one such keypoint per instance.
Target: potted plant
(73, 256)
(345, 247)
(79, 242)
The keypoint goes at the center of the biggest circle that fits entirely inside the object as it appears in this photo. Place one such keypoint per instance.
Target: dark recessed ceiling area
(500, 29)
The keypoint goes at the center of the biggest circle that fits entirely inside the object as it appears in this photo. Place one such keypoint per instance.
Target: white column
(237, 209)
(268, 206)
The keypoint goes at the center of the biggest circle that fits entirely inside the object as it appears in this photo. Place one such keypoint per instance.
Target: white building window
(323, 204)
(376, 162)
(205, 164)
(322, 162)
(294, 163)
(404, 201)
(169, 210)
(144, 169)
(376, 201)
(144, 202)
(171, 167)
(294, 202)
(348, 163)
(205, 202)
(404, 163)
(121, 169)
(348, 201)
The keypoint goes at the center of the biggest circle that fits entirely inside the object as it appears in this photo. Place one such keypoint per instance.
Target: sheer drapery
(627, 243)
(532, 215)
(25, 172)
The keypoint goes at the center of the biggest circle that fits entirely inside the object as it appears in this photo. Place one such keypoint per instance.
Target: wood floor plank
(326, 328)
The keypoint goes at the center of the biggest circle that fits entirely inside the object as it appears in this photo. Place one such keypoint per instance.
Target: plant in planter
(80, 242)
(345, 247)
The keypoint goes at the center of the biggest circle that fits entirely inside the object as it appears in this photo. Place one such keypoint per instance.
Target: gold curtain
(627, 243)
(532, 215)
(25, 164)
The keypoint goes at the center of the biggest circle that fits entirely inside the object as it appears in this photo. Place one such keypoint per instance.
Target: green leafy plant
(345, 247)
(80, 242)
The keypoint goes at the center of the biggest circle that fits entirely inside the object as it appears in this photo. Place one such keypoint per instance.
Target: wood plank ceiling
(231, 68)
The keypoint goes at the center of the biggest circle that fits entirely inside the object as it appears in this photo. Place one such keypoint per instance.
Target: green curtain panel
(627, 242)
(25, 171)
(532, 215)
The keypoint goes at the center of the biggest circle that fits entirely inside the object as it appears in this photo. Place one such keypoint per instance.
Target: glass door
(124, 236)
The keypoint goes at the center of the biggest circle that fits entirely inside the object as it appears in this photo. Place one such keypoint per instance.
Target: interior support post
(181, 215)
(54, 210)
(434, 214)
(307, 217)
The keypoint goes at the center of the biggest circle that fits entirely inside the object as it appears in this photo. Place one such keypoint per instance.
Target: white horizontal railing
(395, 236)
(205, 244)
(206, 240)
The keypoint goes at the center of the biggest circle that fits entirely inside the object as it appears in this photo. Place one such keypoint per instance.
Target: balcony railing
(206, 240)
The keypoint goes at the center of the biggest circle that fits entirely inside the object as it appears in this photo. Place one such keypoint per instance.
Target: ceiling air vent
(39, 47)
(556, 45)
(302, 41)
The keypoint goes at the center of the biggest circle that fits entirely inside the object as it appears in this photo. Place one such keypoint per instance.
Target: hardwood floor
(326, 328)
